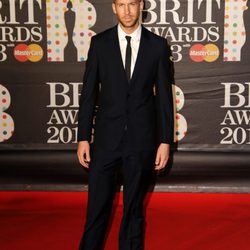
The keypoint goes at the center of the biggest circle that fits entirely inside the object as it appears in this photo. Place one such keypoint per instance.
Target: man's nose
(127, 10)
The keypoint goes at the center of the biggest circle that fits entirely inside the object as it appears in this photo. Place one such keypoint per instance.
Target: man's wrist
(83, 141)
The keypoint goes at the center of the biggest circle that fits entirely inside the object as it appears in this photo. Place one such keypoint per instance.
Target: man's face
(127, 11)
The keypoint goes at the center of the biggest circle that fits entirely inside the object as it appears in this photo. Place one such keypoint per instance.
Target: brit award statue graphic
(70, 50)
(69, 31)
(234, 31)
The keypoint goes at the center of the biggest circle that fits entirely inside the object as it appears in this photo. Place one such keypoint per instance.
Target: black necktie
(128, 58)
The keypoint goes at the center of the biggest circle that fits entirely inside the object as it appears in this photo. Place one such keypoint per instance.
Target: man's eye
(120, 5)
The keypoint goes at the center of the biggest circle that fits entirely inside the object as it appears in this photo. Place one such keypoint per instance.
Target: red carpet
(175, 221)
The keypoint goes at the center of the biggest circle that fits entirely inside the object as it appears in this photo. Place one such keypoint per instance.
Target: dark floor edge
(157, 188)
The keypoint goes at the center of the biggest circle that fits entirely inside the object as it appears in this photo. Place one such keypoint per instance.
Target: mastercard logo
(32, 52)
(200, 53)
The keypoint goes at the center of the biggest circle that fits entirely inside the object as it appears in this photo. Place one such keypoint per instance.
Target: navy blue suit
(130, 124)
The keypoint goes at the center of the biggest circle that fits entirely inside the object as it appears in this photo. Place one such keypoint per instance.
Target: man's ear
(113, 8)
(141, 5)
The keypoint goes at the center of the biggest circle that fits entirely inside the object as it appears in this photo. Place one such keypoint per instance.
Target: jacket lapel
(115, 46)
(140, 56)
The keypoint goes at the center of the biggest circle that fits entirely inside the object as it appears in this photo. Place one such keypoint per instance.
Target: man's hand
(83, 153)
(162, 156)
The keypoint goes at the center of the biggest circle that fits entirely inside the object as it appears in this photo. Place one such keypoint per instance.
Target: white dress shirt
(135, 42)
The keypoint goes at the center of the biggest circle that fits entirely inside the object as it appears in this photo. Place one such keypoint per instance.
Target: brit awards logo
(235, 125)
(190, 27)
(6, 121)
(69, 29)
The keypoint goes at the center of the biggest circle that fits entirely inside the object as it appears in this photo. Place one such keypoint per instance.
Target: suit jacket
(132, 105)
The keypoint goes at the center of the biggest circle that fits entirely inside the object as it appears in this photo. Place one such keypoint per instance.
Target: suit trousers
(137, 167)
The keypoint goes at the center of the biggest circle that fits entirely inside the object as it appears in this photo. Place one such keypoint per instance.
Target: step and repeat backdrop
(43, 51)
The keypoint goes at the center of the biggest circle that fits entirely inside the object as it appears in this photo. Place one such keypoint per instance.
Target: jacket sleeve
(88, 95)
(164, 98)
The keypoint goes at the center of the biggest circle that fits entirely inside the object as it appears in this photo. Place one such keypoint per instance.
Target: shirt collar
(135, 36)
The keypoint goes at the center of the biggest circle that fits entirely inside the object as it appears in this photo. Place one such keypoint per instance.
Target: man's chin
(128, 24)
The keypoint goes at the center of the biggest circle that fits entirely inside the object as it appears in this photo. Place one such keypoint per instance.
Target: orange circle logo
(32, 52)
(208, 53)
(212, 53)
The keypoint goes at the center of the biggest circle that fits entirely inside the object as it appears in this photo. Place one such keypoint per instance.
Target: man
(128, 69)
